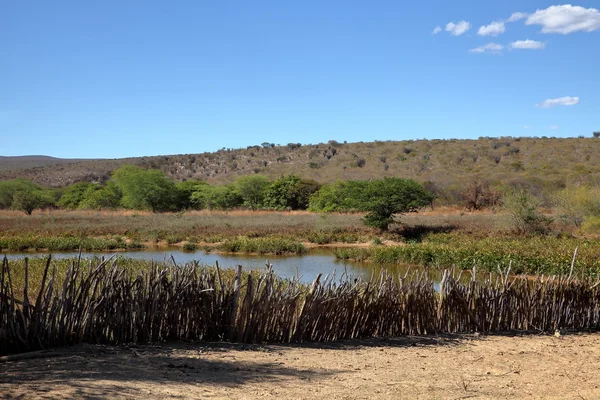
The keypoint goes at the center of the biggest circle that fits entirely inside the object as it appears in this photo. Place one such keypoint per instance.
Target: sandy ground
(449, 367)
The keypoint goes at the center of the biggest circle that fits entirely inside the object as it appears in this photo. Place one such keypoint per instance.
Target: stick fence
(104, 303)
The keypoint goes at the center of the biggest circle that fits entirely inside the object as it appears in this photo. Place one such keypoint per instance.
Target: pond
(306, 267)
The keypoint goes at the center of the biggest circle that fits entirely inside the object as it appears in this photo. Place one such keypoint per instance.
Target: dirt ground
(448, 367)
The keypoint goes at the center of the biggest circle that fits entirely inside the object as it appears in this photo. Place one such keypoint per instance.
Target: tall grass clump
(262, 245)
(525, 255)
(64, 243)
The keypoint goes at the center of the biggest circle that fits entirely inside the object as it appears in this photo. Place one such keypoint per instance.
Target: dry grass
(176, 227)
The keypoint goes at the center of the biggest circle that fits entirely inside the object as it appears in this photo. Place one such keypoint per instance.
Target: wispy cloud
(488, 48)
(459, 28)
(527, 127)
(494, 29)
(527, 45)
(561, 101)
(554, 127)
(565, 19)
(436, 30)
(517, 16)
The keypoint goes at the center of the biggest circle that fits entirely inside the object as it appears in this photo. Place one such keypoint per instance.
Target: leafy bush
(290, 192)
(524, 215)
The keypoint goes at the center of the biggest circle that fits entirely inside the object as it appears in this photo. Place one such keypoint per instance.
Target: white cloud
(488, 48)
(527, 127)
(517, 16)
(561, 101)
(527, 44)
(459, 28)
(554, 127)
(493, 29)
(565, 19)
(436, 30)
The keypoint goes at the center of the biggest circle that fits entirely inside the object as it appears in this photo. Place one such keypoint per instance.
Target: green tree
(29, 200)
(340, 196)
(74, 195)
(290, 192)
(252, 189)
(9, 188)
(217, 197)
(98, 198)
(145, 189)
(303, 191)
(391, 196)
(186, 189)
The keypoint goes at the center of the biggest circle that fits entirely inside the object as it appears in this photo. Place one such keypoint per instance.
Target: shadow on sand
(100, 372)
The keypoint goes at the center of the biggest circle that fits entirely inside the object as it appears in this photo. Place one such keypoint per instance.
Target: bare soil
(448, 367)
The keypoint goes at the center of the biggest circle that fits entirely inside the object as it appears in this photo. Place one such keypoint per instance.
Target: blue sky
(130, 78)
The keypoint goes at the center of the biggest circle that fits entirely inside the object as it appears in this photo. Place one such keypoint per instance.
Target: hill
(536, 162)
(25, 162)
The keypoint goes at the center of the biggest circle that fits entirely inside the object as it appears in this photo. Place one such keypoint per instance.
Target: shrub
(290, 192)
(478, 194)
(524, 214)
(187, 246)
(591, 225)
(576, 204)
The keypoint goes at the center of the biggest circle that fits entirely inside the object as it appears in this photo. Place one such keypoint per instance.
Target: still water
(305, 267)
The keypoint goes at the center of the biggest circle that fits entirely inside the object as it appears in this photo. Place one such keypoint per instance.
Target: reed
(526, 255)
(101, 301)
(64, 243)
(262, 245)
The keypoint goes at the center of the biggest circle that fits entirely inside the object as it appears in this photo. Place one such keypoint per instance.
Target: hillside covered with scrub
(539, 163)
(520, 174)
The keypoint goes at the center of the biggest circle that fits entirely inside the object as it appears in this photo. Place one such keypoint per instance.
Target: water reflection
(306, 267)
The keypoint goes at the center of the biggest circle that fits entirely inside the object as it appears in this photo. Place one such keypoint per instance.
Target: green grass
(525, 255)
(266, 245)
(64, 243)
(188, 246)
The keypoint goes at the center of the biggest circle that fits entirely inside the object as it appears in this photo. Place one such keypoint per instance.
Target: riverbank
(434, 367)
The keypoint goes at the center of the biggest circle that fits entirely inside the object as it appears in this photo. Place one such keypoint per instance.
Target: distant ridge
(540, 163)
(33, 161)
